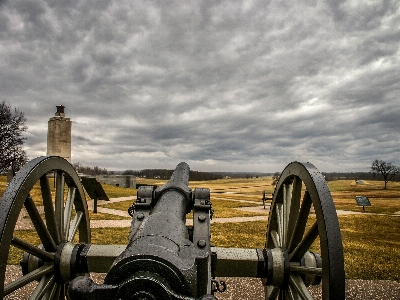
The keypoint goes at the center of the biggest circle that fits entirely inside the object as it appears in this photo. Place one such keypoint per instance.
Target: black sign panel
(94, 188)
(362, 201)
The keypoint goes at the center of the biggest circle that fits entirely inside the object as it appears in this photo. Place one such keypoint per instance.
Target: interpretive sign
(362, 201)
(94, 190)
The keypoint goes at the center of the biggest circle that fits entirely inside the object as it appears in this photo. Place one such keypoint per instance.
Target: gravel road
(252, 289)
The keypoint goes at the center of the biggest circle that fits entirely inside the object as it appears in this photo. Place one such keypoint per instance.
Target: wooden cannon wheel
(304, 244)
(57, 218)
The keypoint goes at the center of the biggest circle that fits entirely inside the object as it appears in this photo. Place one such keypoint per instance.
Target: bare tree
(388, 170)
(12, 126)
(275, 178)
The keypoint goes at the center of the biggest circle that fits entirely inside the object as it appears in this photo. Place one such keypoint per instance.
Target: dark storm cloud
(224, 85)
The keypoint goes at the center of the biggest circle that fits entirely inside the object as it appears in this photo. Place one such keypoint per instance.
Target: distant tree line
(380, 170)
(90, 170)
(246, 175)
(330, 176)
(166, 174)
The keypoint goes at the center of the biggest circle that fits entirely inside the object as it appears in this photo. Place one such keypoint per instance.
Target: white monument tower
(59, 135)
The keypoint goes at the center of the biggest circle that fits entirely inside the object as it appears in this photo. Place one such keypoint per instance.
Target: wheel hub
(278, 268)
(67, 261)
(312, 260)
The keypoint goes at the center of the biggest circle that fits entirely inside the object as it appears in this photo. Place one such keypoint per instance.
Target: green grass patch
(241, 197)
(105, 216)
(378, 206)
(227, 209)
(120, 205)
(15, 254)
(111, 191)
(110, 236)
(239, 235)
(371, 243)
(371, 246)
(368, 186)
(3, 184)
(116, 192)
(222, 208)
(95, 216)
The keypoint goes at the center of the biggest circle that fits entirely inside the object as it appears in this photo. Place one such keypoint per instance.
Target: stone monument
(59, 135)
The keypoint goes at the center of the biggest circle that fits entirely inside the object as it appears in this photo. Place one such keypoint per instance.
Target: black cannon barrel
(180, 176)
(167, 196)
(159, 261)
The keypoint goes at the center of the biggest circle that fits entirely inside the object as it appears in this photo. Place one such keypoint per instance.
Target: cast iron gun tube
(160, 261)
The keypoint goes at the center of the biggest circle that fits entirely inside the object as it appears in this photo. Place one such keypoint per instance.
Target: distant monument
(59, 135)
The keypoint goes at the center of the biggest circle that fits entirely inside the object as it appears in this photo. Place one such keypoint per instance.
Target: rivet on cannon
(202, 218)
(140, 216)
(201, 243)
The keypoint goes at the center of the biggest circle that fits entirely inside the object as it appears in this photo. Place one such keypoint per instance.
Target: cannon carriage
(165, 258)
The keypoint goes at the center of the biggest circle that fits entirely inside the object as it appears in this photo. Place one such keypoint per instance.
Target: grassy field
(371, 241)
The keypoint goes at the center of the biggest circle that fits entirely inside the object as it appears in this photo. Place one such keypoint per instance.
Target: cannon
(48, 230)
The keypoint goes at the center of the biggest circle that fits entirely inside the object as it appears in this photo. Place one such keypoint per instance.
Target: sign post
(94, 190)
(363, 201)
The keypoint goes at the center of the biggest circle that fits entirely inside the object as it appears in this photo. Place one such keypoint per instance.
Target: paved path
(25, 224)
(127, 223)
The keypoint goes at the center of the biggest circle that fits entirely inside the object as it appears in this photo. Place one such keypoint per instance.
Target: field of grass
(382, 201)
(110, 190)
(371, 242)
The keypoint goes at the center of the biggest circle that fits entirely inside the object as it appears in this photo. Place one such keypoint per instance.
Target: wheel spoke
(287, 200)
(301, 222)
(56, 292)
(294, 208)
(275, 238)
(51, 292)
(44, 285)
(74, 226)
(49, 209)
(25, 246)
(299, 286)
(272, 292)
(62, 292)
(279, 217)
(68, 210)
(292, 293)
(39, 225)
(24, 280)
(306, 270)
(305, 243)
(60, 203)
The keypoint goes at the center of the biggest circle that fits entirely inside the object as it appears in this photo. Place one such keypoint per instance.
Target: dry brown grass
(371, 242)
(382, 201)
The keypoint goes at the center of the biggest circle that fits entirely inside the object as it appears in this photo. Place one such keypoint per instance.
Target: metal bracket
(201, 236)
(142, 207)
(202, 213)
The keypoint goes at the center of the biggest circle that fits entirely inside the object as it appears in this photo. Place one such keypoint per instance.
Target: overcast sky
(222, 85)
